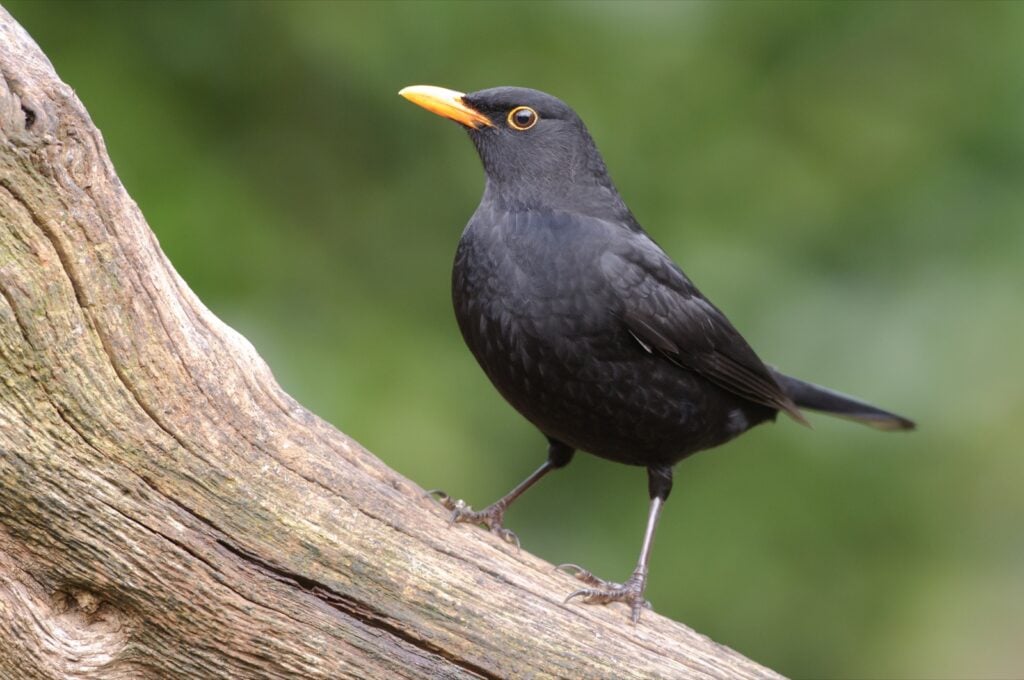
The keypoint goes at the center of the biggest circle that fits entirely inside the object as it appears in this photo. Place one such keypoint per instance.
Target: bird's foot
(602, 592)
(491, 517)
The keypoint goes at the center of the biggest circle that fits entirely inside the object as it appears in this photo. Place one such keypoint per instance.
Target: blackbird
(584, 324)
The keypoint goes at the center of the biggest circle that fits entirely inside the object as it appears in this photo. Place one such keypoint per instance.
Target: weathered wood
(167, 511)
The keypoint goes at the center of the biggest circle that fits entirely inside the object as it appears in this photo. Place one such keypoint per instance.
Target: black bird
(587, 327)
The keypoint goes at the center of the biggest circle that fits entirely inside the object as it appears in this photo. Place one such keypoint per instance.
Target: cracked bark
(167, 511)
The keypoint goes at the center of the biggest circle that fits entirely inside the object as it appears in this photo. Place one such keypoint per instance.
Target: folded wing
(668, 316)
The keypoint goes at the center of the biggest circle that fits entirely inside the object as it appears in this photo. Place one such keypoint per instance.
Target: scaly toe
(630, 593)
(490, 517)
(581, 574)
(506, 535)
(637, 607)
(463, 513)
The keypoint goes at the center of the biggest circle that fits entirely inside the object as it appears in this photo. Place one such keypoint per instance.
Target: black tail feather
(816, 398)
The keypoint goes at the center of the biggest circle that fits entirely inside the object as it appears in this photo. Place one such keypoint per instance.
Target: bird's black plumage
(586, 326)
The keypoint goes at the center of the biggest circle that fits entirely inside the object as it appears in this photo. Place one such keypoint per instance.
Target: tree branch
(167, 510)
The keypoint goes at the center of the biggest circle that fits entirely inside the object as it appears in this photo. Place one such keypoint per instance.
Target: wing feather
(665, 311)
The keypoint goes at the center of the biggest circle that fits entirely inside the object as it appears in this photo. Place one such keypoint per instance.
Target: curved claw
(569, 568)
(442, 498)
(506, 535)
(596, 595)
(576, 593)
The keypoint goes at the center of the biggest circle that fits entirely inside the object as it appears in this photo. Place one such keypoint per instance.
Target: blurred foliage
(845, 180)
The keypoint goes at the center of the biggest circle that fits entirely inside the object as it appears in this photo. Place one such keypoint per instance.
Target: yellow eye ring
(522, 118)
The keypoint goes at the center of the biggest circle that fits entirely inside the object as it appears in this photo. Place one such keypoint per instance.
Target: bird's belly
(602, 392)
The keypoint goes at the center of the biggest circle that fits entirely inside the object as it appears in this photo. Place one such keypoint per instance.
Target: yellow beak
(447, 103)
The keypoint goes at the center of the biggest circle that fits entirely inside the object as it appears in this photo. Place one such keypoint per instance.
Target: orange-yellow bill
(447, 103)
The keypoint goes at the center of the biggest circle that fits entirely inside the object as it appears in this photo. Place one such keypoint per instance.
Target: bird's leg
(493, 515)
(631, 592)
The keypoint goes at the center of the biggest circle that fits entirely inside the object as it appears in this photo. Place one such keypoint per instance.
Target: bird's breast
(527, 280)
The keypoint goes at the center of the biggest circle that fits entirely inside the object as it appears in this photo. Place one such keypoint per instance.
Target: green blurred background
(845, 180)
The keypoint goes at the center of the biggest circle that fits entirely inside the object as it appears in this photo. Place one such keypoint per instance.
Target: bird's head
(535, 149)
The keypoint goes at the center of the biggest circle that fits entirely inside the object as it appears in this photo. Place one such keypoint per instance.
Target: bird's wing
(667, 315)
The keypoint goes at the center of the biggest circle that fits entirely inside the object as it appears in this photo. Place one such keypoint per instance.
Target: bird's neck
(595, 197)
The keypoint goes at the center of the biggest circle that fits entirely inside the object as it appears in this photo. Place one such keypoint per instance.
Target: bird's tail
(816, 398)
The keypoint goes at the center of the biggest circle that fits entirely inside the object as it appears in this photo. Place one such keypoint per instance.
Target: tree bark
(166, 510)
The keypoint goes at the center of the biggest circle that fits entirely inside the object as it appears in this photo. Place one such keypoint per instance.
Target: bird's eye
(522, 118)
